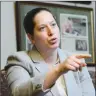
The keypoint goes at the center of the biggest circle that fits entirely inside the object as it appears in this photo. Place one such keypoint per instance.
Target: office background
(8, 27)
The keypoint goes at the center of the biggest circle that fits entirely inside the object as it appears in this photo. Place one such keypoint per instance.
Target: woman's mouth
(53, 41)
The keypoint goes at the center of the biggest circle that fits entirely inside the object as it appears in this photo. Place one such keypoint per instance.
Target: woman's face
(46, 31)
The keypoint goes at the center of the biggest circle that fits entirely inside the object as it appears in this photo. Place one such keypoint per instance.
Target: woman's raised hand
(72, 63)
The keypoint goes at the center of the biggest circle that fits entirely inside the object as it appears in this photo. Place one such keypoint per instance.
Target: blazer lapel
(38, 61)
(41, 67)
(70, 82)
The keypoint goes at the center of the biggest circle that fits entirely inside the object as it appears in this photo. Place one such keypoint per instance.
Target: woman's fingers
(76, 58)
(80, 56)
(78, 61)
(70, 67)
(74, 63)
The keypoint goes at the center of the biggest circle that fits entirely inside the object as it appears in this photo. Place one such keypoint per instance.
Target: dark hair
(29, 19)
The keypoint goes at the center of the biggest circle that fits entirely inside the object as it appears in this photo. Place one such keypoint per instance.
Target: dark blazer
(26, 71)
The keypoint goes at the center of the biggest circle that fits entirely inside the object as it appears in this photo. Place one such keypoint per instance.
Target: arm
(21, 82)
(73, 63)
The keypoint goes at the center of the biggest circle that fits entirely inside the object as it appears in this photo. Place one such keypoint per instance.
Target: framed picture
(76, 27)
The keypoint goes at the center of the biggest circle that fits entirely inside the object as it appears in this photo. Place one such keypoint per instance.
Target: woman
(39, 72)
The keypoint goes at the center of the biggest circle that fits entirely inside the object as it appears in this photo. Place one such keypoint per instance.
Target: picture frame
(84, 16)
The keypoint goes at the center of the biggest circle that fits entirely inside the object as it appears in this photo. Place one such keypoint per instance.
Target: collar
(36, 56)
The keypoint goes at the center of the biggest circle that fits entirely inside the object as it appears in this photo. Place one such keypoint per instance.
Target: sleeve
(86, 83)
(20, 81)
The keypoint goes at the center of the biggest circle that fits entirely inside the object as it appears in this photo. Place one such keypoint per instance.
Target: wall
(8, 32)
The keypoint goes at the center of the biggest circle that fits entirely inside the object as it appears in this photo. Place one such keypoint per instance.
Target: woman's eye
(41, 28)
(53, 24)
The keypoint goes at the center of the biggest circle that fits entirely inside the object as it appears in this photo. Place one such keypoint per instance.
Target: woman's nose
(50, 31)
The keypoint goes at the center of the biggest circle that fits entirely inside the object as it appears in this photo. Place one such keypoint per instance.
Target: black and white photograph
(81, 45)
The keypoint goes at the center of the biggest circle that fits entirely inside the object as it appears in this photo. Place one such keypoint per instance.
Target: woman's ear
(31, 38)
